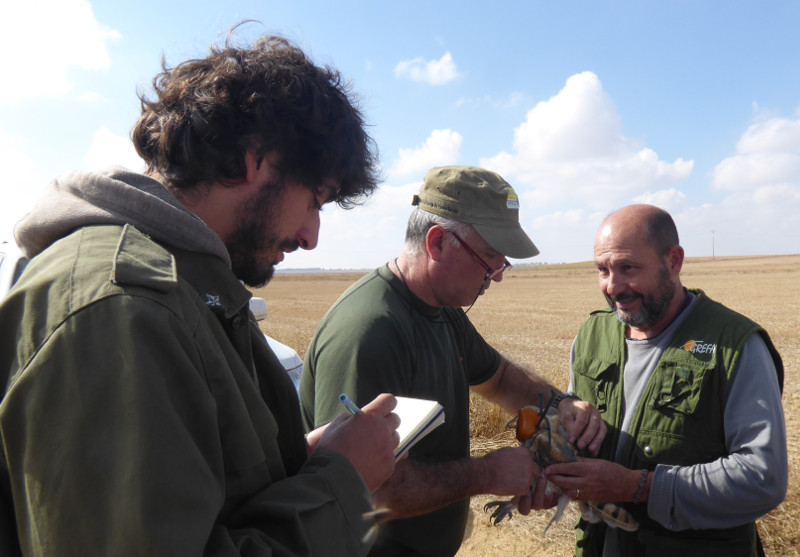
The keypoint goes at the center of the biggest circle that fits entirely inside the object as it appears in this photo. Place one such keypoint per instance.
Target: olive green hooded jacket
(143, 412)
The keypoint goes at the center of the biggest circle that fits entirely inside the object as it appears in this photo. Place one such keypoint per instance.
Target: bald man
(691, 394)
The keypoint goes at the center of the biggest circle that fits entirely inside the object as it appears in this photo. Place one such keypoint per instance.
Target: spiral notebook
(418, 417)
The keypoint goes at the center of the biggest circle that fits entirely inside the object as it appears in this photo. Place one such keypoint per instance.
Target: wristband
(640, 489)
(562, 396)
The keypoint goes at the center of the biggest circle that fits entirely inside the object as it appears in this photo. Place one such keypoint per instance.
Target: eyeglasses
(490, 273)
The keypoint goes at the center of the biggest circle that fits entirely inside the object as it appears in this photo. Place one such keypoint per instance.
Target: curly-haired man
(143, 412)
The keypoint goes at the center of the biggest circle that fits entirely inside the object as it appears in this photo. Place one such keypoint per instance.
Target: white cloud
(442, 147)
(773, 134)
(562, 236)
(67, 37)
(571, 165)
(21, 184)
(670, 200)
(744, 223)
(109, 149)
(749, 170)
(434, 72)
(580, 122)
(761, 181)
(571, 149)
(768, 153)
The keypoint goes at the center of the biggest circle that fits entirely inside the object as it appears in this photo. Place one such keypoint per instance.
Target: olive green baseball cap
(481, 198)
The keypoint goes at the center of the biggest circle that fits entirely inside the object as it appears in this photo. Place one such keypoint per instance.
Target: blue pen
(349, 403)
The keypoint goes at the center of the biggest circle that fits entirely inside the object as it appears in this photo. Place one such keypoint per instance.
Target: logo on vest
(699, 347)
(213, 301)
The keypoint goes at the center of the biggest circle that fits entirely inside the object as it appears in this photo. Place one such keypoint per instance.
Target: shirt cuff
(662, 488)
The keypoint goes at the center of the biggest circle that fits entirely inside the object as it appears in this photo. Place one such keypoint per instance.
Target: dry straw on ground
(531, 317)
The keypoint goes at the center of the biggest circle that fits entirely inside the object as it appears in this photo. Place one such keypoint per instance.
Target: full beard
(254, 235)
(654, 306)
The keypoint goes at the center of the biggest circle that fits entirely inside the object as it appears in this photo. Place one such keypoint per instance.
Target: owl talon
(505, 509)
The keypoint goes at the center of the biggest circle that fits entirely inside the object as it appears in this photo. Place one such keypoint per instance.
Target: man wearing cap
(402, 329)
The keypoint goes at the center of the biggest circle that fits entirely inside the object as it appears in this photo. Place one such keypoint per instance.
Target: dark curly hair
(207, 113)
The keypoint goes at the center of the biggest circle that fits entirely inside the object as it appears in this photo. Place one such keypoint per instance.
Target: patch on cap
(512, 201)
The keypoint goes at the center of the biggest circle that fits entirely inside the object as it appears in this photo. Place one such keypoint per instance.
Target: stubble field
(531, 317)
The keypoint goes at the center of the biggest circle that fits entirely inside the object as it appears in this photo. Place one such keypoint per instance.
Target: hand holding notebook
(418, 417)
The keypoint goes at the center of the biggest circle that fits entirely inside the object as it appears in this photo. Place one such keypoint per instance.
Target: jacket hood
(116, 196)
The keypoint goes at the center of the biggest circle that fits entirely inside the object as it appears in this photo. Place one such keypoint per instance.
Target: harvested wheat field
(531, 317)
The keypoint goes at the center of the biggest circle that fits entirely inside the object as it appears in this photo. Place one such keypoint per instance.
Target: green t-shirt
(380, 338)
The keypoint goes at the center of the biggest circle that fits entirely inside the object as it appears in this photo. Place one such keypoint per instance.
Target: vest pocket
(664, 447)
(593, 380)
(677, 388)
(671, 416)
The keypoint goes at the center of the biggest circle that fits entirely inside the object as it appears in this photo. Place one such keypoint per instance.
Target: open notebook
(418, 417)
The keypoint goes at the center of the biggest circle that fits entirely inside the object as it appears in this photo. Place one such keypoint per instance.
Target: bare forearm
(513, 387)
(418, 488)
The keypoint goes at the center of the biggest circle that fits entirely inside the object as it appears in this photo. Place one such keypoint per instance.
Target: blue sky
(582, 106)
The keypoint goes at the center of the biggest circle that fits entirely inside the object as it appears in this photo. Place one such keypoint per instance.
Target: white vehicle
(289, 358)
(12, 263)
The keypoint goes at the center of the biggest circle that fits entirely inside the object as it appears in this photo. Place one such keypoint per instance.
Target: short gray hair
(421, 221)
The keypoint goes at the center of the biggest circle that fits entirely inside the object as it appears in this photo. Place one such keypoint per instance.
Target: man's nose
(613, 284)
(308, 235)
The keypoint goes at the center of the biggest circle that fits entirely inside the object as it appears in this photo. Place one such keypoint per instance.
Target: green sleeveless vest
(678, 421)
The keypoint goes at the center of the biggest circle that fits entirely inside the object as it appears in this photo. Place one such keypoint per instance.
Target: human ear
(252, 165)
(675, 259)
(434, 242)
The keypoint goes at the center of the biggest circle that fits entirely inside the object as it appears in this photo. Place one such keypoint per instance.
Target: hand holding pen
(367, 437)
(349, 404)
